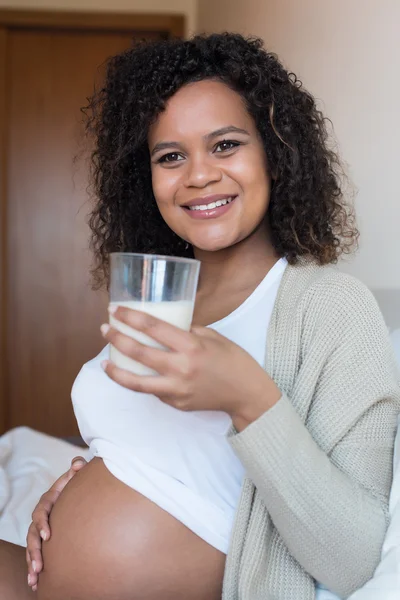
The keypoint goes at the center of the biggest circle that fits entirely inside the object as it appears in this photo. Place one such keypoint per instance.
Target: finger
(40, 515)
(77, 463)
(158, 386)
(40, 518)
(32, 578)
(31, 574)
(166, 334)
(158, 360)
(34, 549)
(32, 566)
(34, 553)
(62, 481)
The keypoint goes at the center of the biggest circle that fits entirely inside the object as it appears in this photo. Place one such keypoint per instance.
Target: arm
(330, 507)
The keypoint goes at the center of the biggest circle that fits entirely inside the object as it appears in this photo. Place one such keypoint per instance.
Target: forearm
(331, 525)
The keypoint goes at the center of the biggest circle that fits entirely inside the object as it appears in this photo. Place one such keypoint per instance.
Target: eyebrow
(209, 136)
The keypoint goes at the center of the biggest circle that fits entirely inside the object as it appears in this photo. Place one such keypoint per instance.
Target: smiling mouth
(212, 210)
(211, 205)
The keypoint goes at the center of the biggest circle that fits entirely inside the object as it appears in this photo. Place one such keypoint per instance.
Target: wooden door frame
(3, 228)
(169, 25)
(166, 25)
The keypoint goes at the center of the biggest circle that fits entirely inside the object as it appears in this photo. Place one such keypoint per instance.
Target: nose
(201, 172)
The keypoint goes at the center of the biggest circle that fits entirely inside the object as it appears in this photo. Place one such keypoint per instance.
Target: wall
(348, 54)
(185, 7)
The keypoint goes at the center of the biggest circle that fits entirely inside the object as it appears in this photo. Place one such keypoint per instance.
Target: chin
(213, 246)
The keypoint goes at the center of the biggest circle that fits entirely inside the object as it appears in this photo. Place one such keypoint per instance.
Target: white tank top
(181, 461)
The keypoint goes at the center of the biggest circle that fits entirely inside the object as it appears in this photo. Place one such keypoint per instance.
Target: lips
(205, 200)
(209, 213)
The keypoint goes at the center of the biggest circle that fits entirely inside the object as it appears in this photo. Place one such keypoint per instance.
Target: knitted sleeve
(329, 503)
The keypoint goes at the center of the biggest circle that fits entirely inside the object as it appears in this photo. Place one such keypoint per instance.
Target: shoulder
(338, 318)
(342, 292)
(328, 324)
(330, 309)
(327, 292)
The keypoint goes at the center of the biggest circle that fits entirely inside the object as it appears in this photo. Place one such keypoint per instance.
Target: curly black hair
(308, 214)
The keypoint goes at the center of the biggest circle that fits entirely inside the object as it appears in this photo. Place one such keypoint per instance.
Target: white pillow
(385, 584)
(395, 338)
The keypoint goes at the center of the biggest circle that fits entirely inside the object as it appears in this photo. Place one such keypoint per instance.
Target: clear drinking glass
(162, 286)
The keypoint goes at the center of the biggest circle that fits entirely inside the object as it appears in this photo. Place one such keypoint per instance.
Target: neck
(238, 267)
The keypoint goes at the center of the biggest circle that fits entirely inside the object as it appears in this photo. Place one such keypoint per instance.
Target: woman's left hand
(202, 371)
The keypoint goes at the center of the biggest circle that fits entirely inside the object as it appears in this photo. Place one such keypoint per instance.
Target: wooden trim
(172, 24)
(3, 228)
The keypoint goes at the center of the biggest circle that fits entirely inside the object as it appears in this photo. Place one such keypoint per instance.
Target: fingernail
(104, 364)
(34, 588)
(43, 535)
(112, 308)
(105, 328)
(34, 566)
(29, 580)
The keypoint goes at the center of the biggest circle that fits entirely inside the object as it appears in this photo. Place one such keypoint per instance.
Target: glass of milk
(162, 286)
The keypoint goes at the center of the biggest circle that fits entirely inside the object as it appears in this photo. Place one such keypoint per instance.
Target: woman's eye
(170, 158)
(226, 145)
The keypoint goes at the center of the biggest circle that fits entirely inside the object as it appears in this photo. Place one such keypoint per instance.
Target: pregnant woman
(261, 463)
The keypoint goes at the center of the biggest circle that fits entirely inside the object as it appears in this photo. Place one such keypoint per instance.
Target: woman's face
(206, 153)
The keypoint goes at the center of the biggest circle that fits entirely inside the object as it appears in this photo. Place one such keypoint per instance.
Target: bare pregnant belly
(111, 543)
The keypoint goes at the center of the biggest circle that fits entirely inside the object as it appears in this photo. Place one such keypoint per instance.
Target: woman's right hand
(39, 529)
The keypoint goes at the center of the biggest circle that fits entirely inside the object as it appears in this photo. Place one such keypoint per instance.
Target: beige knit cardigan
(314, 504)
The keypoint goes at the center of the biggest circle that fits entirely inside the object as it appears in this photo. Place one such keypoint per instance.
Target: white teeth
(211, 205)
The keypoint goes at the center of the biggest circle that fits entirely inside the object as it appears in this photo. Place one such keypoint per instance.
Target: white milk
(177, 313)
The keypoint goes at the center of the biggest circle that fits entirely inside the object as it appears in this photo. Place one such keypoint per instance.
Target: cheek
(165, 184)
(252, 176)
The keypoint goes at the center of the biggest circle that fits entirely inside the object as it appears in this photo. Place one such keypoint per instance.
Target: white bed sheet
(30, 462)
